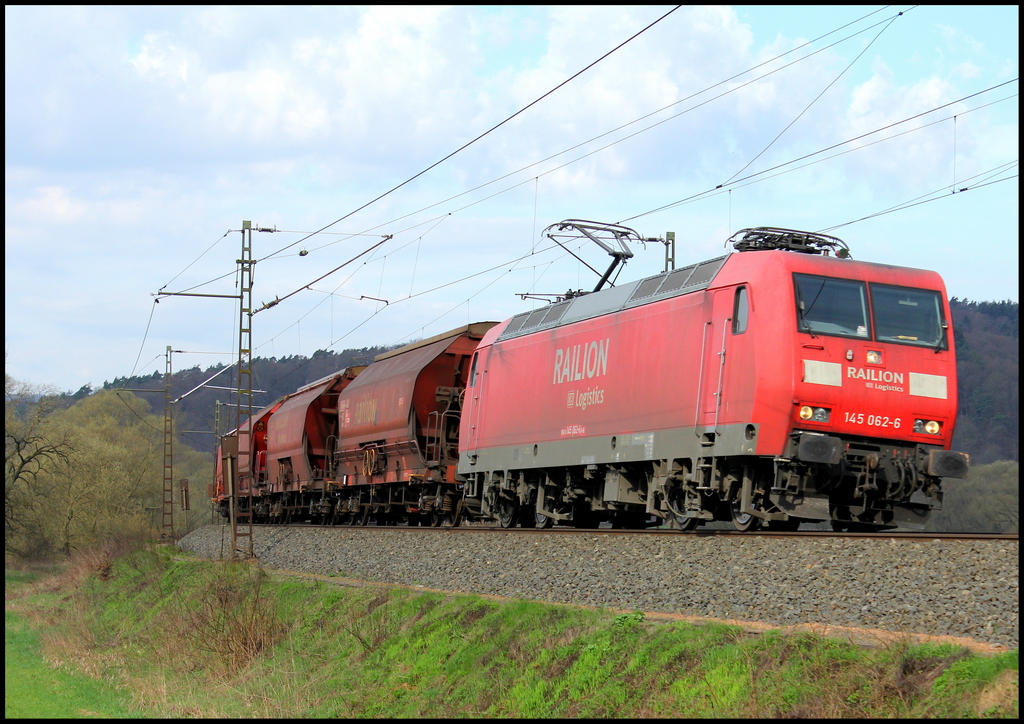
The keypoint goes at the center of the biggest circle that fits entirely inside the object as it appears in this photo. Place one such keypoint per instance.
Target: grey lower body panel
(685, 442)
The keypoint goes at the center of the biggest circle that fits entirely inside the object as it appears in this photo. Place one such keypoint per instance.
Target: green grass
(33, 689)
(301, 648)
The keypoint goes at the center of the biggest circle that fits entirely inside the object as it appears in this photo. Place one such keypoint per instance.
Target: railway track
(886, 535)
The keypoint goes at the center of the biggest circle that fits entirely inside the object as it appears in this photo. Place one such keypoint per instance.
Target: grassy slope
(33, 689)
(307, 648)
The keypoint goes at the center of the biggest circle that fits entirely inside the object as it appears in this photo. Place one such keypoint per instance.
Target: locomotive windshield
(831, 306)
(907, 316)
(838, 307)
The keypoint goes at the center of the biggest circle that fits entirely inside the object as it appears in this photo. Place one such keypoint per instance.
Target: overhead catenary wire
(945, 194)
(641, 118)
(277, 301)
(142, 346)
(760, 177)
(485, 133)
(512, 262)
(196, 259)
(654, 125)
(814, 153)
(816, 99)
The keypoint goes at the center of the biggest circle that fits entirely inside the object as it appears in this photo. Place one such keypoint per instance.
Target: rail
(477, 528)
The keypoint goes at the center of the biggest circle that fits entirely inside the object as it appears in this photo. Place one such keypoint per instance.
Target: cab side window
(740, 311)
(472, 371)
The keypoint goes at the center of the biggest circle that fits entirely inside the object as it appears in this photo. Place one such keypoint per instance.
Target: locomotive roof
(685, 280)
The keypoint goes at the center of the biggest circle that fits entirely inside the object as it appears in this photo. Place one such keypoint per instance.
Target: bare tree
(29, 453)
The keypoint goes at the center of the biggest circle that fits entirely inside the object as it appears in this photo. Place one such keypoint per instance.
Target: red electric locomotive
(777, 384)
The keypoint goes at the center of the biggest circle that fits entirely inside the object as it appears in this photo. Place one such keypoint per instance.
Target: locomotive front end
(874, 404)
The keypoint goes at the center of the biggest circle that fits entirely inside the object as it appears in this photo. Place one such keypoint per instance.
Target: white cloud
(53, 204)
(159, 58)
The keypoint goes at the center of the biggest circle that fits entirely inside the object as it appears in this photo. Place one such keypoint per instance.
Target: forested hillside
(195, 416)
(988, 375)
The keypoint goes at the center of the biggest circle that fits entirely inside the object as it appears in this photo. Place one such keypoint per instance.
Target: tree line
(988, 379)
(91, 471)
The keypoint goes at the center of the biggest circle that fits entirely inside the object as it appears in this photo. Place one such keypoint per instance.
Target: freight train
(778, 384)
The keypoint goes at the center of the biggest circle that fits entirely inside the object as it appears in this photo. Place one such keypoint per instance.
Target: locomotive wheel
(508, 512)
(686, 522)
(543, 521)
(676, 501)
(744, 522)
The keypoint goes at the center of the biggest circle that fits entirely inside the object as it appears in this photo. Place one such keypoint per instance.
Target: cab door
(720, 369)
(471, 432)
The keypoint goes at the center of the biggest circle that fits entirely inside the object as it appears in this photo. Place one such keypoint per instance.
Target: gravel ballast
(955, 588)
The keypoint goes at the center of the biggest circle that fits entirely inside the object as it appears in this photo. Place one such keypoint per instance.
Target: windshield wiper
(804, 324)
(942, 336)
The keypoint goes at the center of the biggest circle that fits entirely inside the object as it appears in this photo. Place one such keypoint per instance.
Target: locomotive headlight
(815, 414)
(930, 427)
(874, 357)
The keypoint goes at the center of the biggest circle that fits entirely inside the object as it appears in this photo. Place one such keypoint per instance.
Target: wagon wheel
(442, 519)
(456, 516)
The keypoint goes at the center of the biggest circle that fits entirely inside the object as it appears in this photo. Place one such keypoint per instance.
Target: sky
(138, 139)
